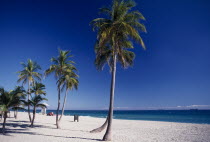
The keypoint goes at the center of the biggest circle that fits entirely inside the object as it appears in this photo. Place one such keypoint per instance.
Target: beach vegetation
(29, 75)
(63, 70)
(116, 32)
(10, 100)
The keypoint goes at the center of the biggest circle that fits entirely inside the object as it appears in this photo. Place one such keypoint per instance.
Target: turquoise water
(184, 116)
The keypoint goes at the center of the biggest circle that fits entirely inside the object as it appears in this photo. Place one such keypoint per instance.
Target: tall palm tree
(35, 102)
(9, 100)
(68, 81)
(29, 75)
(60, 65)
(114, 40)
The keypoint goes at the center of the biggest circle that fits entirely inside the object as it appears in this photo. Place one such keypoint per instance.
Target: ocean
(183, 116)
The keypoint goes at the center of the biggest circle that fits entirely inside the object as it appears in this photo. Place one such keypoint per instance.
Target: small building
(44, 110)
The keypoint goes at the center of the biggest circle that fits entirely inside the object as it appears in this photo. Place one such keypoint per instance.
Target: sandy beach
(123, 130)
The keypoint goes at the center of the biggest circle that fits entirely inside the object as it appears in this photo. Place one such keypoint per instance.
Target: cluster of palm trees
(10, 100)
(115, 36)
(30, 75)
(66, 79)
(16, 99)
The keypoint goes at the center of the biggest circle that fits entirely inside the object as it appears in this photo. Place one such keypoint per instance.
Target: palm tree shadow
(32, 133)
(17, 125)
(75, 130)
(18, 121)
(26, 125)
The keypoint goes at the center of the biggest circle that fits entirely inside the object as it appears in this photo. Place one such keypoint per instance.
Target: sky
(174, 71)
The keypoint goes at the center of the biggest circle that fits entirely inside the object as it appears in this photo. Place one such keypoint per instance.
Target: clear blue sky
(173, 71)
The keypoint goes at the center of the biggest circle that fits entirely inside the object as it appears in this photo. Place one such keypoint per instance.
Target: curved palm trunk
(108, 134)
(97, 130)
(4, 123)
(29, 93)
(34, 114)
(64, 102)
(57, 120)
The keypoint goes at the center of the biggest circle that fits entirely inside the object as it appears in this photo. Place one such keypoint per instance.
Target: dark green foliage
(36, 101)
(64, 72)
(29, 72)
(11, 100)
(38, 89)
(116, 33)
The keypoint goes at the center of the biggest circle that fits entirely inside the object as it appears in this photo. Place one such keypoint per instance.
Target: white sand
(123, 130)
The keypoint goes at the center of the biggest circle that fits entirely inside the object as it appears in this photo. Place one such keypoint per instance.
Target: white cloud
(199, 106)
(121, 107)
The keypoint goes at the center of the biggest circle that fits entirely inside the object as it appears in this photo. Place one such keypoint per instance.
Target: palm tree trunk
(29, 93)
(4, 123)
(64, 102)
(1, 113)
(97, 130)
(108, 134)
(59, 97)
(34, 114)
(16, 114)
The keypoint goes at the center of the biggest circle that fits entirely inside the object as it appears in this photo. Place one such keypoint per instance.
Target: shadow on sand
(24, 127)
(9, 132)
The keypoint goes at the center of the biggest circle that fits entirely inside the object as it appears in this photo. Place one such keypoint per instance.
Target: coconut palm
(38, 89)
(29, 75)
(68, 81)
(60, 65)
(35, 102)
(114, 40)
(9, 100)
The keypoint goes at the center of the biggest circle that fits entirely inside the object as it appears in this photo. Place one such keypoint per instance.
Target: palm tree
(68, 82)
(60, 65)
(36, 102)
(9, 100)
(114, 39)
(22, 93)
(38, 89)
(29, 75)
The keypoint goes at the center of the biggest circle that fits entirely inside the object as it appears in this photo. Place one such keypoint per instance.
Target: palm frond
(116, 33)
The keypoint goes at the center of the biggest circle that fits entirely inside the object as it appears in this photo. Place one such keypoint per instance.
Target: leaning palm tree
(60, 65)
(114, 40)
(68, 81)
(9, 100)
(29, 75)
(35, 102)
